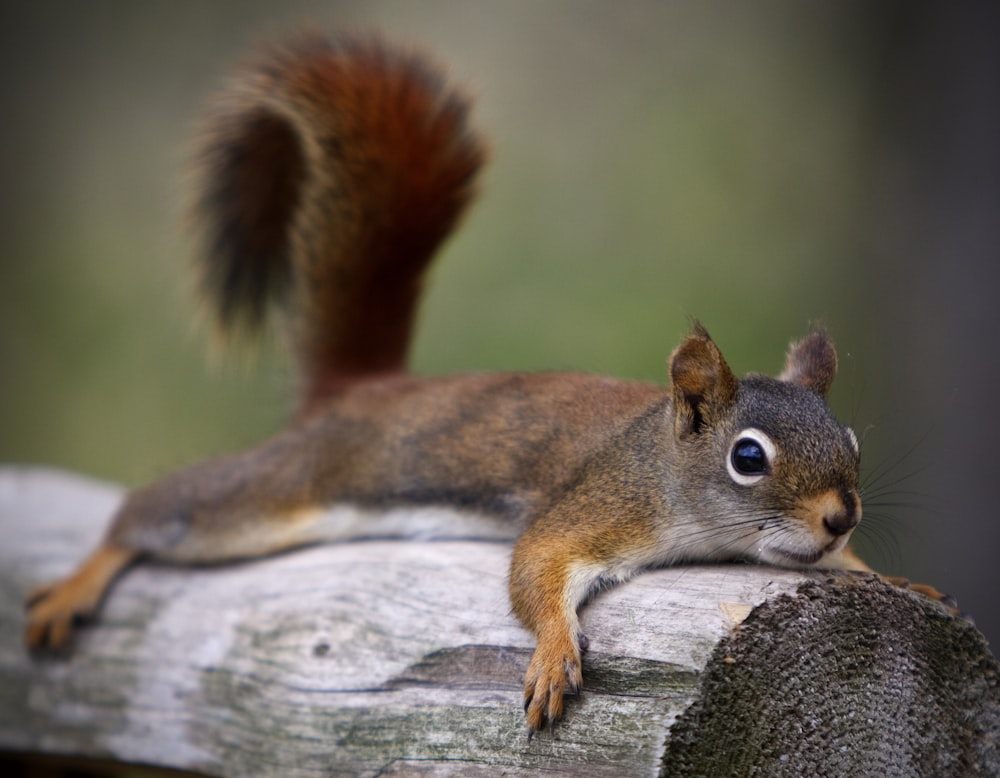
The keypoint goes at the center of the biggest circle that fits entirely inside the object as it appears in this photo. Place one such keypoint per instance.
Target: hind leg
(53, 608)
(927, 591)
(846, 559)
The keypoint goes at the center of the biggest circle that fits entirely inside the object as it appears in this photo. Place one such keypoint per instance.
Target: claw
(573, 687)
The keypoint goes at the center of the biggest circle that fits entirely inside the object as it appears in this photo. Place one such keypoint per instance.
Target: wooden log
(402, 658)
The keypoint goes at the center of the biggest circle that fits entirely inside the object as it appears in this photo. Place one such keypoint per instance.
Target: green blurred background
(759, 166)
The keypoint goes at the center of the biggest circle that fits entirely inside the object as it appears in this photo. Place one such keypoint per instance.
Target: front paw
(554, 670)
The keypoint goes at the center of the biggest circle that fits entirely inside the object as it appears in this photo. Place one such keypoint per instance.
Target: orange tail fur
(332, 172)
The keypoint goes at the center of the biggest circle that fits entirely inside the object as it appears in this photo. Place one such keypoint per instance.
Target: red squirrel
(331, 172)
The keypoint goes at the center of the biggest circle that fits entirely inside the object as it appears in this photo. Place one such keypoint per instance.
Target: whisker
(874, 483)
(732, 534)
(882, 541)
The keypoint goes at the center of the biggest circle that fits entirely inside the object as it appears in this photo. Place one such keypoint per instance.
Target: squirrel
(331, 172)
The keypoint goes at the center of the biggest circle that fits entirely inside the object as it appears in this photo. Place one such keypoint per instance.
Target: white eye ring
(749, 475)
(854, 440)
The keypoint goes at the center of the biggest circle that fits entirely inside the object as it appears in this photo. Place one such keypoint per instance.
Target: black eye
(749, 457)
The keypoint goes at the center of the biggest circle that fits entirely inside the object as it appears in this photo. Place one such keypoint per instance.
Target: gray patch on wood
(466, 667)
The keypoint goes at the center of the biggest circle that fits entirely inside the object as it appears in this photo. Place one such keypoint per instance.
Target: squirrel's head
(773, 475)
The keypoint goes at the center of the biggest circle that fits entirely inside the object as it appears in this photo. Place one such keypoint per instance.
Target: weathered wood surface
(403, 658)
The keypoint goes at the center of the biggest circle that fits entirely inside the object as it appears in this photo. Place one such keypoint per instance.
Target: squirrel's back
(331, 171)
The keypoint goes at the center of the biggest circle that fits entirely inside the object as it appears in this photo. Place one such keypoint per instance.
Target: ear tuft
(703, 385)
(811, 363)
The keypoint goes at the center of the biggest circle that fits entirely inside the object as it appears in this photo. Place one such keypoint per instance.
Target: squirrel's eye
(750, 457)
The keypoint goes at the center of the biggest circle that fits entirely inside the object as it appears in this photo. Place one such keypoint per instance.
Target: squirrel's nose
(842, 521)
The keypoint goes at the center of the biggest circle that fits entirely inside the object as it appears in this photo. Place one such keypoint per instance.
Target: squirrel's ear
(811, 363)
(703, 385)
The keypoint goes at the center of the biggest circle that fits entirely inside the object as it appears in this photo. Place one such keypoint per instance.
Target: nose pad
(841, 522)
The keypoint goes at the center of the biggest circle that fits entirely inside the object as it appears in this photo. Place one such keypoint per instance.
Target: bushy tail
(331, 171)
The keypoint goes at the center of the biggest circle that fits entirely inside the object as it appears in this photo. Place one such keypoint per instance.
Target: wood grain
(362, 658)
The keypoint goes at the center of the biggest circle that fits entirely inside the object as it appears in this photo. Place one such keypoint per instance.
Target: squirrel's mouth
(811, 557)
(801, 558)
